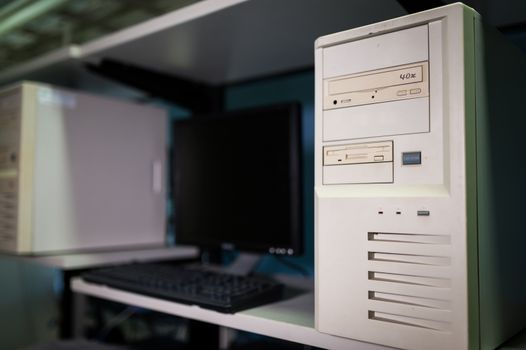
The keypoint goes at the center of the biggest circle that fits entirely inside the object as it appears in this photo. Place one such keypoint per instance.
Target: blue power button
(411, 158)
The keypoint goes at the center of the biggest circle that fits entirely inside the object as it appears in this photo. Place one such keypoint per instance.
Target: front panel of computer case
(391, 182)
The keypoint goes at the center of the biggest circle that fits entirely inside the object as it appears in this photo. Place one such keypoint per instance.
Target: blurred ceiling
(29, 28)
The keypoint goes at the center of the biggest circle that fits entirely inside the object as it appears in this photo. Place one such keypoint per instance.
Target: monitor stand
(243, 264)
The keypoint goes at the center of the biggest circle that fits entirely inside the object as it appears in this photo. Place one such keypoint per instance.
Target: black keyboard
(190, 285)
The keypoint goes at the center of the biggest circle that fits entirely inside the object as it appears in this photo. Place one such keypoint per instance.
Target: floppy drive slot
(358, 153)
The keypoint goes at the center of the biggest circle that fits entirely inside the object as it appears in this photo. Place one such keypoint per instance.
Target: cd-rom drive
(383, 85)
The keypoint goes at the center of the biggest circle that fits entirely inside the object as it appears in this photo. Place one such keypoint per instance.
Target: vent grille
(8, 209)
(9, 130)
(10, 103)
(409, 279)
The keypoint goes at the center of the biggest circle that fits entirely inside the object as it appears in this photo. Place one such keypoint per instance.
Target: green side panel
(471, 179)
(501, 190)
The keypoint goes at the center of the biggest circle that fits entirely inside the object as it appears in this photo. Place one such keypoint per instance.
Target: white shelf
(111, 257)
(291, 319)
(215, 41)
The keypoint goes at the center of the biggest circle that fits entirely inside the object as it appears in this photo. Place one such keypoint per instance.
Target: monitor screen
(238, 180)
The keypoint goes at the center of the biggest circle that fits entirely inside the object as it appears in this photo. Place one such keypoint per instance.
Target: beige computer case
(420, 183)
(78, 171)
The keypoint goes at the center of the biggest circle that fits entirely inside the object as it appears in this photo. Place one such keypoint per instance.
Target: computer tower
(79, 172)
(420, 183)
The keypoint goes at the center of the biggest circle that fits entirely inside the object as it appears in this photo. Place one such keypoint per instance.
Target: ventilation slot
(409, 258)
(408, 238)
(409, 321)
(409, 279)
(8, 209)
(410, 300)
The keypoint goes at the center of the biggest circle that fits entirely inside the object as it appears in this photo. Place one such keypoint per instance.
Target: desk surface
(291, 319)
(103, 258)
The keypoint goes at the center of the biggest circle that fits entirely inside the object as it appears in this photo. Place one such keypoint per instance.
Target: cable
(293, 266)
(115, 321)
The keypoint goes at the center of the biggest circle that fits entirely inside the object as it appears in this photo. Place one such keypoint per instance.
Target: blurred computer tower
(79, 172)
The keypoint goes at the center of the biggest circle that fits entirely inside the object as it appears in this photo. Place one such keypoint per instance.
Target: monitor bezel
(295, 246)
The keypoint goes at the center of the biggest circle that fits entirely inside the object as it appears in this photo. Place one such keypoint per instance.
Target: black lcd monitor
(238, 180)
